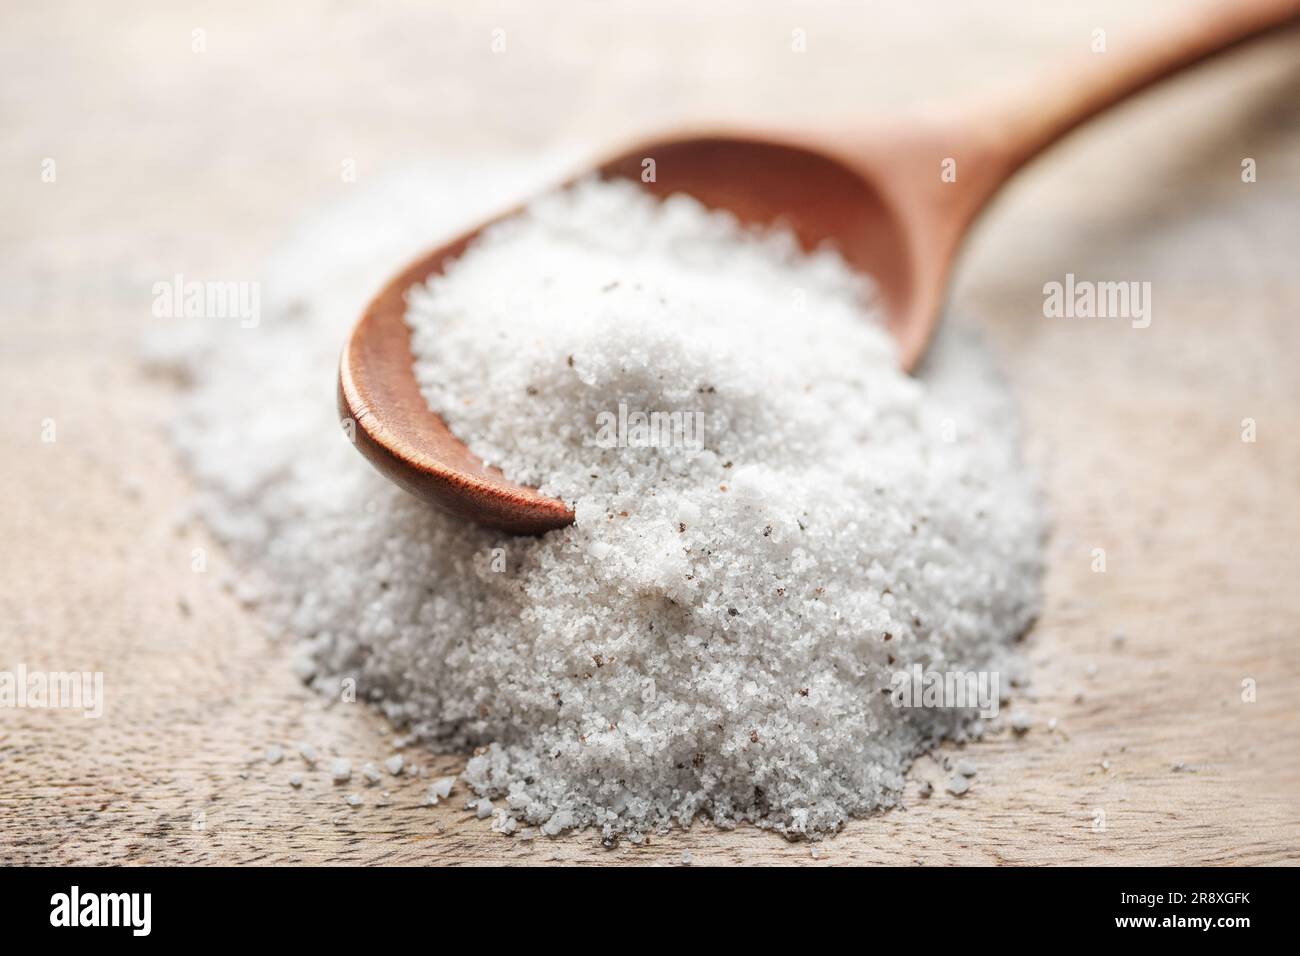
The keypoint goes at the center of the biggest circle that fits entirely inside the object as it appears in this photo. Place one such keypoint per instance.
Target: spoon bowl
(761, 181)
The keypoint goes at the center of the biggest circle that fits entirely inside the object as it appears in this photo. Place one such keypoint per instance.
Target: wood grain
(174, 161)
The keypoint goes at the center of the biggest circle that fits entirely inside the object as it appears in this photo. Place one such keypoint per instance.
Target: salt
(440, 789)
(725, 589)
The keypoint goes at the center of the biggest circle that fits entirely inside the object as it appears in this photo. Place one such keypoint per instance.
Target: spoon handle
(1107, 77)
(1011, 132)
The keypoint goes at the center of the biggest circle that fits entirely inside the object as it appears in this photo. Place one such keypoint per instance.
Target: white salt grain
(394, 764)
(295, 780)
(440, 789)
(371, 774)
(341, 770)
(682, 650)
(274, 754)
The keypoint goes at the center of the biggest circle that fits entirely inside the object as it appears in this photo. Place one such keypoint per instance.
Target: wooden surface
(171, 161)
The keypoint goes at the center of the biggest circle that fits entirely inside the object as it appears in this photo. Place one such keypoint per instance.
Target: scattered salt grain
(440, 789)
(1021, 722)
(394, 764)
(958, 785)
(354, 799)
(308, 754)
(341, 770)
(966, 768)
(295, 780)
(274, 755)
(483, 808)
(680, 648)
(372, 774)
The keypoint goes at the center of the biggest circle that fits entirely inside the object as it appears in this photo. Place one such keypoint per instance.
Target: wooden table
(174, 160)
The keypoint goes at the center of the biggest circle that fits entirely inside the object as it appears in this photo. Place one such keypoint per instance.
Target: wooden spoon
(886, 199)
